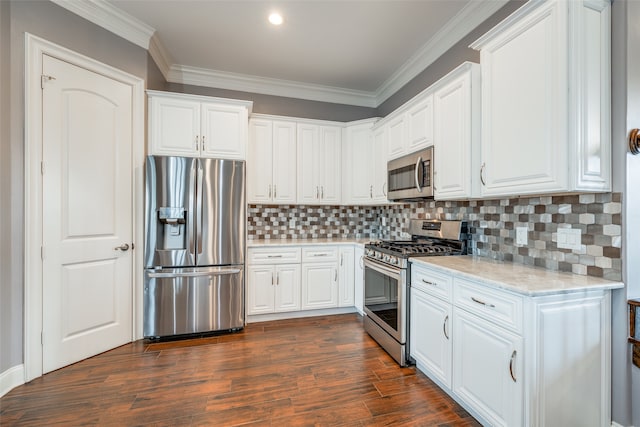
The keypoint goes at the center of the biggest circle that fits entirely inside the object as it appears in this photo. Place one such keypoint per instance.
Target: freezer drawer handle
(195, 273)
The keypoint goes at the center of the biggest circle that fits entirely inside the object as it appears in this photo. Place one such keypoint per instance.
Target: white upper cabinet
(197, 126)
(546, 100)
(319, 164)
(456, 132)
(271, 161)
(364, 165)
(410, 127)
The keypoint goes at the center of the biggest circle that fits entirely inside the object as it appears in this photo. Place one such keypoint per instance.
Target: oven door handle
(381, 268)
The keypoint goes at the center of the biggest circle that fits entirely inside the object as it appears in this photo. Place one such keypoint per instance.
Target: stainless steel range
(387, 278)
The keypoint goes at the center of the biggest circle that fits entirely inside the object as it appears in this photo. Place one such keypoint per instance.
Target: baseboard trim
(256, 318)
(11, 378)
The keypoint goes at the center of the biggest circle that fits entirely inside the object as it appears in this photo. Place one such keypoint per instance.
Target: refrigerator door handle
(199, 215)
(195, 273)
(192, 215)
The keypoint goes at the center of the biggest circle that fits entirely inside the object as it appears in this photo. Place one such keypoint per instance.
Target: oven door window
(381, 296)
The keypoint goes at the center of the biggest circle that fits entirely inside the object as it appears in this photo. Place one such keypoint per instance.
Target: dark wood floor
(314, 371)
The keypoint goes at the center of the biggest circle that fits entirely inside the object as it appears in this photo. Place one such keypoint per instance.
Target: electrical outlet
(522, 236)
(569, 238)
(292, 223)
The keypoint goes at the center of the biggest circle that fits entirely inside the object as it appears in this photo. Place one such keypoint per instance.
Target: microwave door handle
(417, 174)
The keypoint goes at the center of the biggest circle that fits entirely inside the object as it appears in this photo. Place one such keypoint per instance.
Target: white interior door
(87, 220)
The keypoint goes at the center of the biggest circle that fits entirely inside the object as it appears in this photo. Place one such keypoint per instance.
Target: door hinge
(44, 78)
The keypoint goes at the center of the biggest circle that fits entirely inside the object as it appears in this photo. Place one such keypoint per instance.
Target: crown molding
(473, 14)
(160, 56)
(126, 26)
(267, 86)
(111, 18)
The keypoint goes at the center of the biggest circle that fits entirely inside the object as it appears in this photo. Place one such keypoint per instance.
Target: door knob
(123, 247)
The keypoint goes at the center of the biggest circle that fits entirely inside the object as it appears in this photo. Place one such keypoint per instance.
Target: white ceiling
(355, 52)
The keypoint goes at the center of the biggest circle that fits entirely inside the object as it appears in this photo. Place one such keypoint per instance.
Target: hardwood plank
(298, 372)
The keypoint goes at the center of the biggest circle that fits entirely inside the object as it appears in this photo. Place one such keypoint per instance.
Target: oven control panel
(385, 258)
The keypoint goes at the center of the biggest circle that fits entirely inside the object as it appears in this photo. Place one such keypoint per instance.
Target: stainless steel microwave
(411, 177)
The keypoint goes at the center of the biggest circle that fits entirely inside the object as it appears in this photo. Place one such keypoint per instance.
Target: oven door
(385, 297)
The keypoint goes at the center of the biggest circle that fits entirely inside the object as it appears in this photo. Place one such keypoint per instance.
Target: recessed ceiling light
(275, 18)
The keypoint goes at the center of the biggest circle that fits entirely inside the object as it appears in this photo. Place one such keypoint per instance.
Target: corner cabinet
(364, 164)
(319, 164)
(546, 100)
(197, 126)
(271, 160)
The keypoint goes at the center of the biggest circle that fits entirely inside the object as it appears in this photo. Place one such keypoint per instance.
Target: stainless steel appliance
(194, 246)
(411, 177)
(387, 278)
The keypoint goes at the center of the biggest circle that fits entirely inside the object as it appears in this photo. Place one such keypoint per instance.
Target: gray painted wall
(268, 104)
(46, 20)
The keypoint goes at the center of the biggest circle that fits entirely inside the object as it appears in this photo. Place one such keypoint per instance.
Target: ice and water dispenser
(172, 228)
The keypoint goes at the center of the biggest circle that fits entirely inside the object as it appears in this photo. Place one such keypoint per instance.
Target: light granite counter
(519, 278)
(262, 243)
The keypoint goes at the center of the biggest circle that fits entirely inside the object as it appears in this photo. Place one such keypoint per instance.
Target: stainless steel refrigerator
(194, 246)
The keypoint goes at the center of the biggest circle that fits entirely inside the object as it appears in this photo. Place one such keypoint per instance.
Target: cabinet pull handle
(321, 254)
(202, 142)
(197, 143)
(317, 192)
(269, 191)
(371, 191)
(277, 278)
(384, 189)
(513, 356)
(482, 175)
(362, 261)
(430, 283)
(335, 275)
(444, 327)
(322, 192)
(274, 191)
(274, 256)
(271, 279)
(341, 259)
(482, 303)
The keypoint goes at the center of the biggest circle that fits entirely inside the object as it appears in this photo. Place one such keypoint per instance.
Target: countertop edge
(598, 284)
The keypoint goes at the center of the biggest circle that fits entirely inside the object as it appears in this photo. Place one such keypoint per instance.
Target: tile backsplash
(492, 226)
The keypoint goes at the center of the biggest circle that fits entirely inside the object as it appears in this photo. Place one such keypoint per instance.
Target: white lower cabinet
(488, 369)
(431, 336)
(273, 288)
(346, 266)
(358, 279)
(470, 339)
(319, 285)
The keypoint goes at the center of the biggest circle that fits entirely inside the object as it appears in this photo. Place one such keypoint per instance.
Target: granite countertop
(306, 242)
(519, 278)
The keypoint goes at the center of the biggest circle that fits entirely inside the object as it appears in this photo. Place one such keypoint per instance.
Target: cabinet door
(287, 288)
(224, 131)
(357, 158)
(379, 163)
(307, 153)
(453, 148)
(259, 161)
(488, 369)
(174, 127)
(420, 125)
(260, 289)
(346, 295)
(431, 336)
(284, 162)
(524, 106)
(396, 134)
(330, 148)
(358, 279)
(319, 285)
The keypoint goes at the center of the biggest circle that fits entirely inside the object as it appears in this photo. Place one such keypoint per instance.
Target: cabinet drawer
(431, 282)
(286, 255)
(499, 307)
(319, 253)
